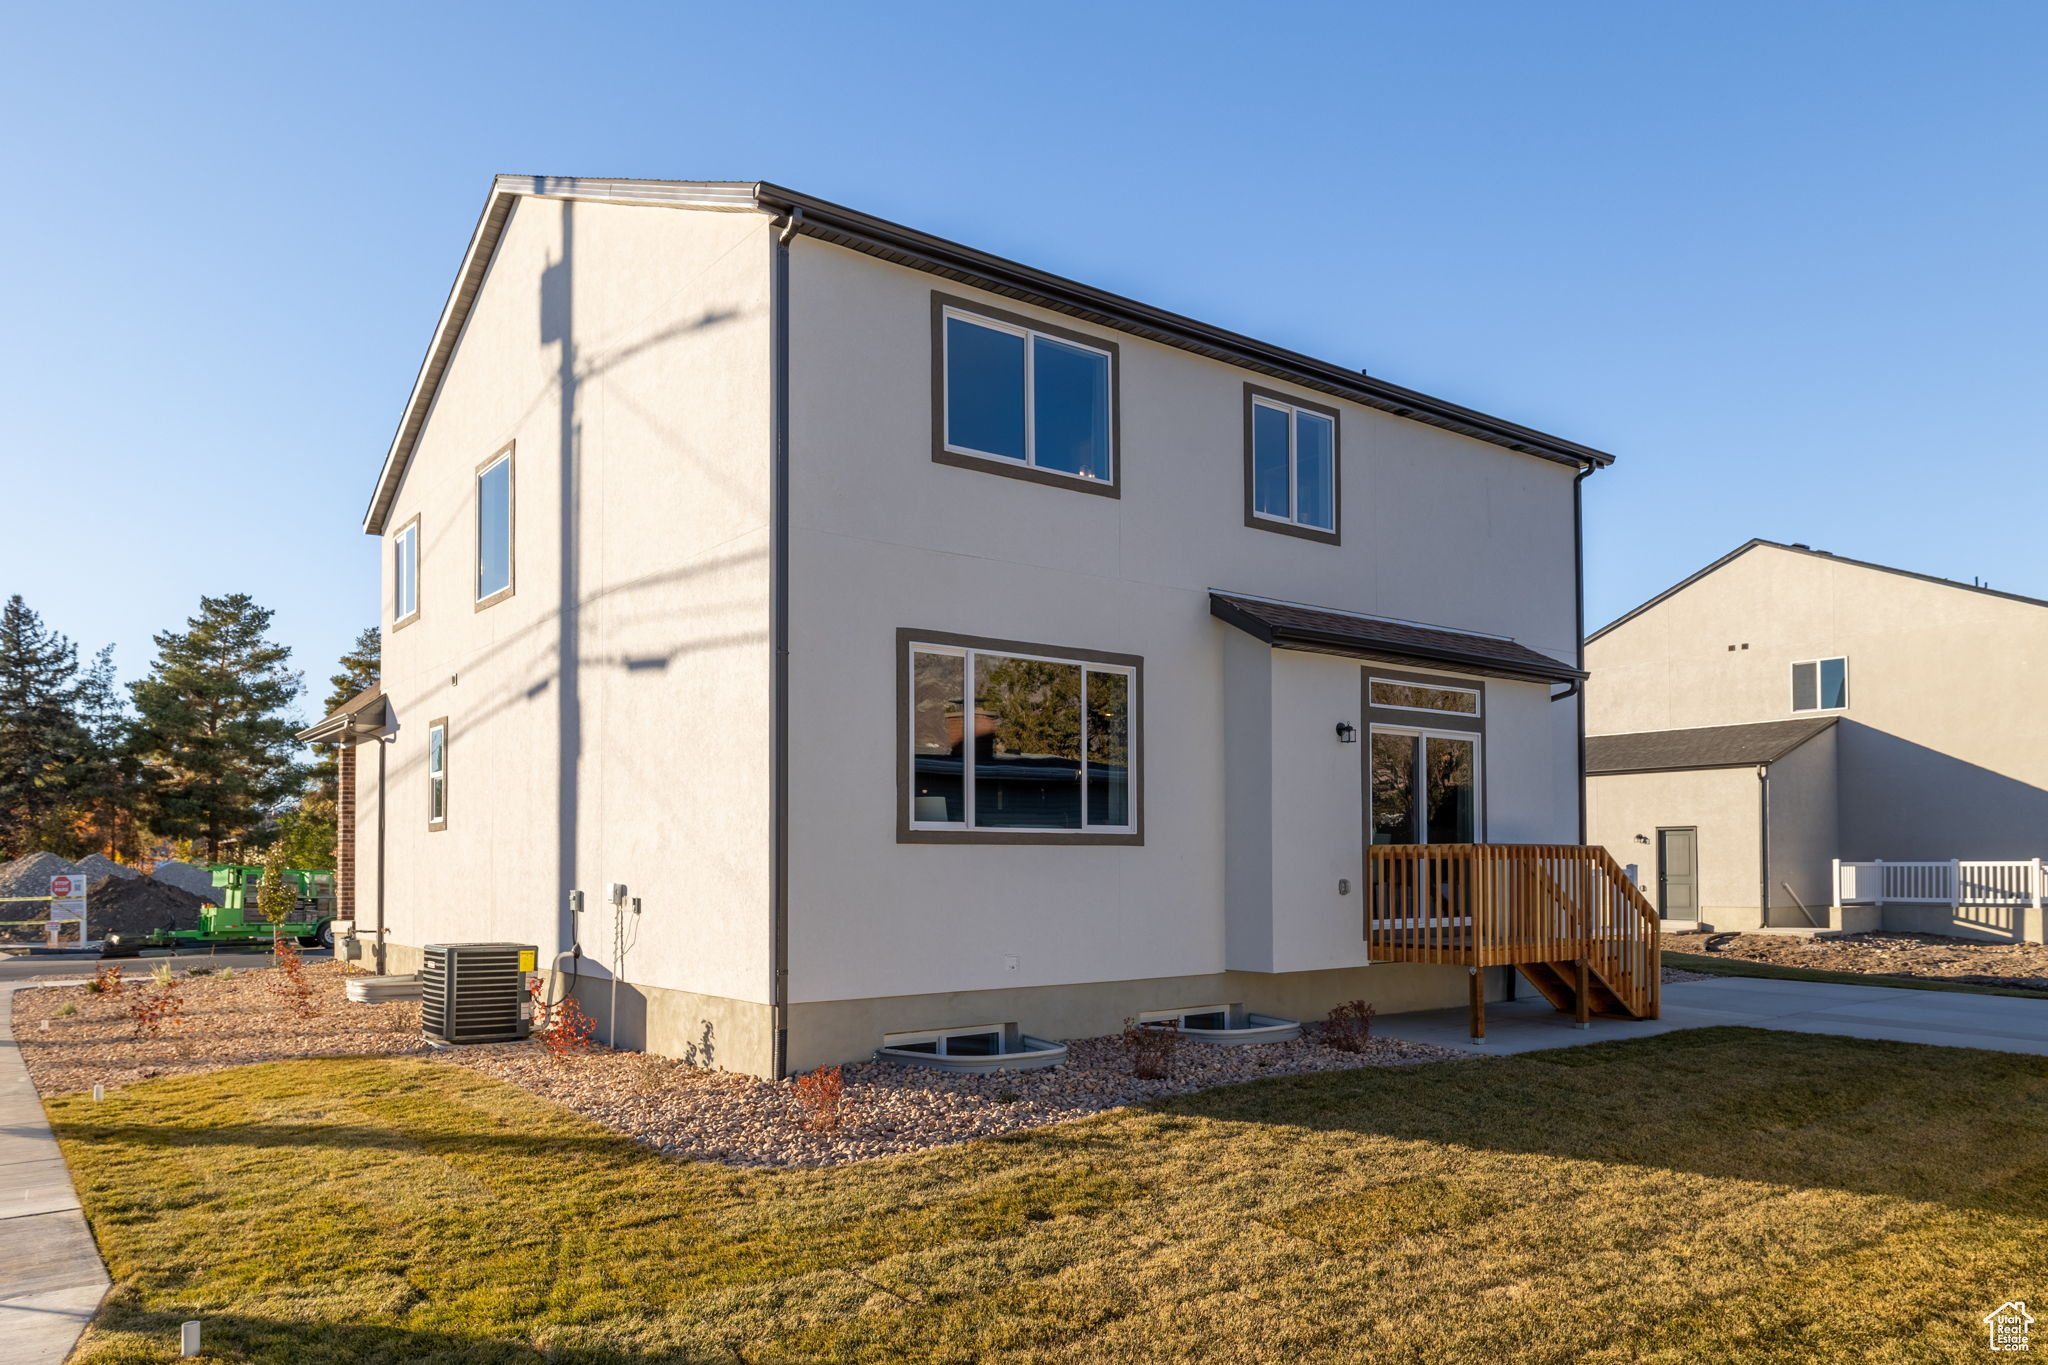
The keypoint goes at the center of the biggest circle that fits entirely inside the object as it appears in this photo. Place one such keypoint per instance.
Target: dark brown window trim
(1402, 719)
(1112, 487)
(1288, 528)
(418, 599)
(905, 637)
(441, 724)
(508, 453)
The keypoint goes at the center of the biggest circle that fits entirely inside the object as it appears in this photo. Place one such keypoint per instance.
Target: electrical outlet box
(1343, 886)
(1009, 962)
(617, 893)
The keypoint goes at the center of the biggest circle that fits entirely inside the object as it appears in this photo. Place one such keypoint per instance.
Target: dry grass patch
(1726, 1195)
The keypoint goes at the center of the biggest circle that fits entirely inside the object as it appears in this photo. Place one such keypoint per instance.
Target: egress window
(1290, 465)
(405, 573)
(494, 528)
(1008, 743)
(1820, 685)
(1019, 397)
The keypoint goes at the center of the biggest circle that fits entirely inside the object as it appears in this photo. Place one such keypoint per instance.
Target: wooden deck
(1563, 915)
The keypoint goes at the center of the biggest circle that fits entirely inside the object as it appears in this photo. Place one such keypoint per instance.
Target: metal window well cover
(1030, 1055)
(372, 990)
(1256, 1028)
(474, 992)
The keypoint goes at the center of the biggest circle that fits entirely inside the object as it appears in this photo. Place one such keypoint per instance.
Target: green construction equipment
(236, 922)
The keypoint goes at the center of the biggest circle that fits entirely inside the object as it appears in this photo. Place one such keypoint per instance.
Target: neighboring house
(931, 646)
(1785, 708)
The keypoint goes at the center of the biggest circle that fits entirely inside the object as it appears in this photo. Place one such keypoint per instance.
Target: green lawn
(1714, 1195)
(1738, 966)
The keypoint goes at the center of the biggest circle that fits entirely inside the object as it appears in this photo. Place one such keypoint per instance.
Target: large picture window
(494, 529)
(1291, 468)
(1006, 742)
(1020, 397)
(1820, 685)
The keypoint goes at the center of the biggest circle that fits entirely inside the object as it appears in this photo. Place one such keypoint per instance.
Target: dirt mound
(186, 877)
(29, 875)
(135, 905)
(99, 865)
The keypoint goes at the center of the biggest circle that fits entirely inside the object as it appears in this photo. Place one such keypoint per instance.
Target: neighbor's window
(1820, 685)
(437, 774)
(1015, 742)
(1415, 697)
(494, 528)
(405, 572)
(1291, 465)
(1020, 395)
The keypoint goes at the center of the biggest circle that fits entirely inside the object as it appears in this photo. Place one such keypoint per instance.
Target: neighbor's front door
(1424, 787)
(1678, 873)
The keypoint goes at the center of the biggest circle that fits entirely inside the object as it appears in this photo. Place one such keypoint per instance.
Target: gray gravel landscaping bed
(706, 1115)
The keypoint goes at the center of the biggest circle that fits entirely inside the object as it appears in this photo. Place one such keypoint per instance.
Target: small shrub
(1007, 1097)
(199, 971)
(226, 974)
(291, 977)
(562, 1028)
(152, 1010)
(821, 1095)
(1349, 1026)
(105, 981)
(1151, 1048)
(161, 974)
(69, 1008)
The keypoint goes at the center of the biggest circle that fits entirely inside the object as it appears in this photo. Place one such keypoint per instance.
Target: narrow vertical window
(1291, 466)
(939, 738)
(405, 573)
(437, 775)
(494, 529)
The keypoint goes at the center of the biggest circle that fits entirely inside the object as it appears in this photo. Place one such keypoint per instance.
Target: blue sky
(1784, 260)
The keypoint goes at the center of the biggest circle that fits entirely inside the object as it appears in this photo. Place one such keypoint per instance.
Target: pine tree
(309, 829)
(41, 741)
(210, 733)
(106, 790)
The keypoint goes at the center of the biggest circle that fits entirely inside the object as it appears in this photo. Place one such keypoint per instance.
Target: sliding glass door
(1424, 787)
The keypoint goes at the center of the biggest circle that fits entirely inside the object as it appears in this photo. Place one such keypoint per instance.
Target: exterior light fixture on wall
(1642, 838)
(1347, 733)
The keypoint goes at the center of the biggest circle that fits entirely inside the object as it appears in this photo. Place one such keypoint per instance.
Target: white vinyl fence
(1950, 883)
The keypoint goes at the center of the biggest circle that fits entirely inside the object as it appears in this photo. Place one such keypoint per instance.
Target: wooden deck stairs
(1563, 915)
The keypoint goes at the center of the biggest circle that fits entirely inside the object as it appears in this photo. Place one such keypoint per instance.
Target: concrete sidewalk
(51, 1279)
(2001, 1023)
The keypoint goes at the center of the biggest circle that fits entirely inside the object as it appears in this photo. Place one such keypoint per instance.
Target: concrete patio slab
(1941, 1018)
(52, 1280)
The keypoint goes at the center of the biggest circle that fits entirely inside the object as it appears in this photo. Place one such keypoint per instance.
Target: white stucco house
(1791, 738)
(933, 647)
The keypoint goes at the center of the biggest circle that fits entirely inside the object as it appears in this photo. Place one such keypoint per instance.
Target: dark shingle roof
(1328, 631)
(1713, 746)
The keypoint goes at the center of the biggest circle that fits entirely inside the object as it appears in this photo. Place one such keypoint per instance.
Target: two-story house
(937, 651)
(1785, 709)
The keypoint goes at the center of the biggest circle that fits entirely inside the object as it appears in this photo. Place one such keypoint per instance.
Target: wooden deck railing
(1486, 905)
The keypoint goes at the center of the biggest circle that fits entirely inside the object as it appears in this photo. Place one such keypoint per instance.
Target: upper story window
(494, 527)
(1820, 685)
(437, 774)
(1009, 743)
(1290, 465)
(405, 573)
(1023, 398)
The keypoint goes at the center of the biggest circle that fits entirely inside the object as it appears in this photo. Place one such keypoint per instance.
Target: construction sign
(67, 907)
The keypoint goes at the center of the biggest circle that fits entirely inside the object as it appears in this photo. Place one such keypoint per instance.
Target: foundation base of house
(737, 1035)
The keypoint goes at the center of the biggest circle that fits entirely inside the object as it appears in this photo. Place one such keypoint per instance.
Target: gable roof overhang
(361, 718)
(1756, 744)
(1326, 630)
(1758, 543)
(829, 222)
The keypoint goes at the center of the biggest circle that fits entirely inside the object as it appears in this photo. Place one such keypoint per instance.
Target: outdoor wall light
(1347, 733)
(1642, 838)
